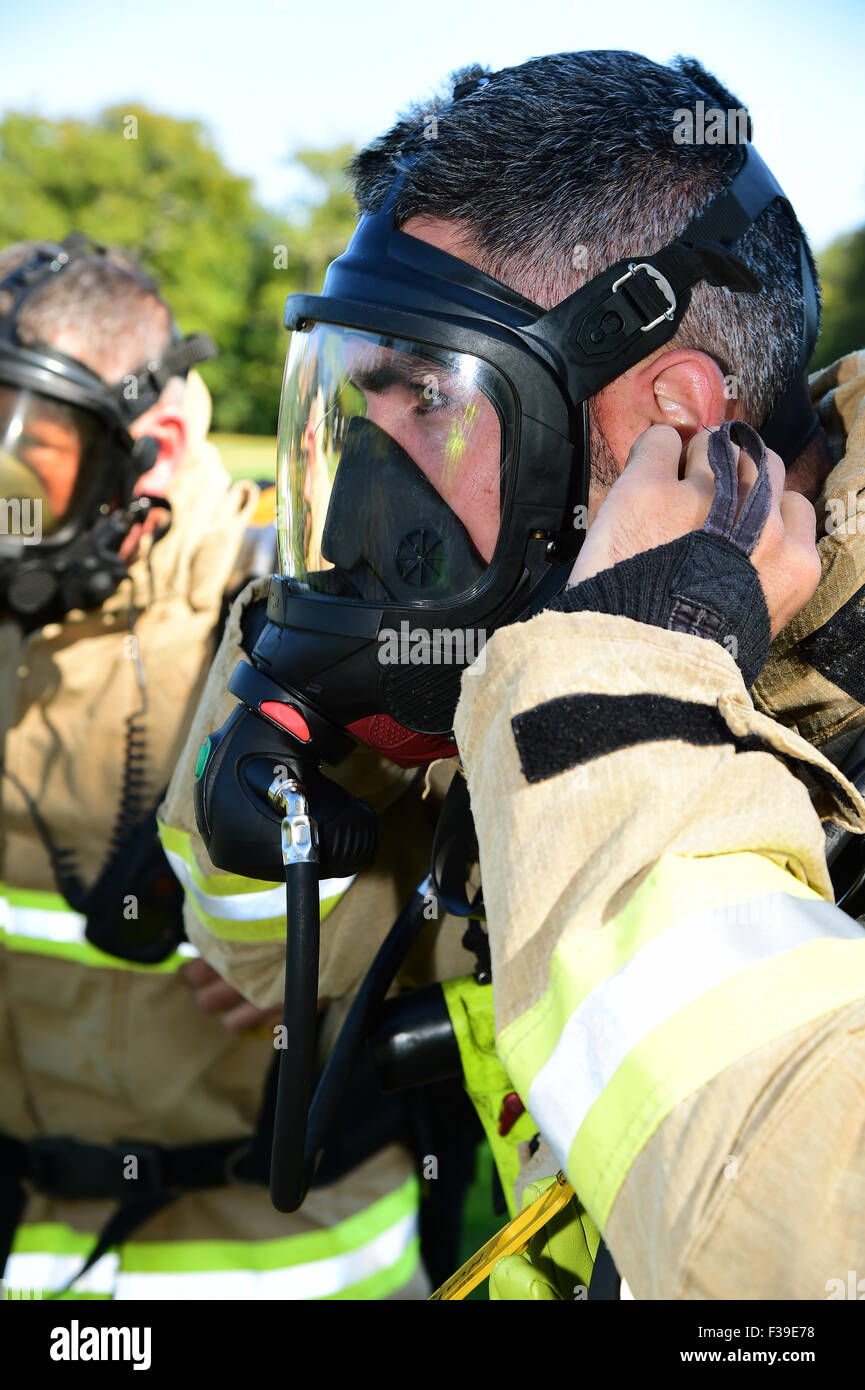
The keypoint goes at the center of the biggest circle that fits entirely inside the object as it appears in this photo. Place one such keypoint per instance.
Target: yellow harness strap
(510, 1240)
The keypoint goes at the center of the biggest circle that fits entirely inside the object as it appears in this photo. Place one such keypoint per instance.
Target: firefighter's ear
(688, 392)
(683, 388)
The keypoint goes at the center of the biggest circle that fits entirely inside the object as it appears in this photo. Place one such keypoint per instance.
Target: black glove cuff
(697, 584)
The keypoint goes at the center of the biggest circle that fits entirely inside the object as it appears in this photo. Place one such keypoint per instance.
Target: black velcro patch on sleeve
(574, 729)
(837, 649)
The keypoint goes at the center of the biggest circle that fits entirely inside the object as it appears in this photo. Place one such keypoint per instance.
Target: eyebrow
(399, 370)
(376, 380)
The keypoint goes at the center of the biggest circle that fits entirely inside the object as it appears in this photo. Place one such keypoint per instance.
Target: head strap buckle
(663, 285)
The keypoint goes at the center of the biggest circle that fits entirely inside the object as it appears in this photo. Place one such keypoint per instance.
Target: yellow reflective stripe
(632, 1022)
(255, 912)
(45, 924)
(46, 1273)
(279, 1252)
(269, 925)
(369, 1255)
(385, 1281)
(31, 897)
(52, 1238)
(764, 1002)
(380, 1261)
(180, 842)
(89, 955)
(668, 894)
(45, 1255)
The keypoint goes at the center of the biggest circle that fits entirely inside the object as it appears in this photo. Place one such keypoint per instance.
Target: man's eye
(430, 397)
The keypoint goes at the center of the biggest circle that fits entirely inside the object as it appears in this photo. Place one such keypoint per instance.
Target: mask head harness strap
(792, 422)
(152, 377)
(635, 306)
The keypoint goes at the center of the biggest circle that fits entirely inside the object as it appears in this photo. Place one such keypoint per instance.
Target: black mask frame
(322, 648)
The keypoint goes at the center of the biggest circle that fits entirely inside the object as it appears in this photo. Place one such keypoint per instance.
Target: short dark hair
(578, 150)
(112, 309)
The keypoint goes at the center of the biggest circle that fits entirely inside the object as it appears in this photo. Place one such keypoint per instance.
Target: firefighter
(554, 294)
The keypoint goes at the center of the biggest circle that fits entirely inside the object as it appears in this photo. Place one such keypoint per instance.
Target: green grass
(247, 455)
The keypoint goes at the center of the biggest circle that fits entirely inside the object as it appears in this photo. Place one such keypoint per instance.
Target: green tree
(325, 220)
(842, 275)
(157, 187)
(298, 251)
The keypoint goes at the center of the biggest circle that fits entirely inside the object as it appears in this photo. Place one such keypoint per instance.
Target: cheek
(484, 532)
(487, 486)
(614, 427)
(464, 470)
(57, 470)
(377, 412)
(475, 500)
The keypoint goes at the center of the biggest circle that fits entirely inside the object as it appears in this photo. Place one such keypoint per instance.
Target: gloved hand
(557, 1265)
(723, 552)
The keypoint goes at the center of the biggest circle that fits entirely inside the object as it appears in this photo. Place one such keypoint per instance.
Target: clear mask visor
(391, 467)
(47, 457)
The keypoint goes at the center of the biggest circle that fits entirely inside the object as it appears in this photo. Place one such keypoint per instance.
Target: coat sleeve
(678, 1002)
(238, 923)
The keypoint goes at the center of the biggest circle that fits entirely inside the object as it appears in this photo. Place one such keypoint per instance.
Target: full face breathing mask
(68, 464)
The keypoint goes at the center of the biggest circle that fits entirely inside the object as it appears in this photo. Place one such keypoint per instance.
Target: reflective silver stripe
(316, 1279)
(51, 1272)
(248, 907)
(50, 924)
(43, 923)
(669, 972)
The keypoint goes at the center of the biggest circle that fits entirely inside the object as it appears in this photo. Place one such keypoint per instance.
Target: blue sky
(272, 76)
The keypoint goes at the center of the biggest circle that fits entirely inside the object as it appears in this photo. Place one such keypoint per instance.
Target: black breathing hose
(296, 1072)
(355, 1028)
(301, 1128)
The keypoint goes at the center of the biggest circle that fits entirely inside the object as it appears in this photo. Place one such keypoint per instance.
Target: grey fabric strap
(704, 582)
(745, 531)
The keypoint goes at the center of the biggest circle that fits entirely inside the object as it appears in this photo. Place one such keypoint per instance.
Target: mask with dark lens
(69, 467)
